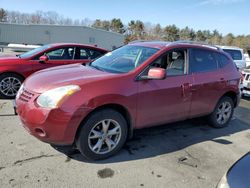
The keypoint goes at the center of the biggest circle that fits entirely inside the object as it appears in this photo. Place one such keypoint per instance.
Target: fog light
(40, 132)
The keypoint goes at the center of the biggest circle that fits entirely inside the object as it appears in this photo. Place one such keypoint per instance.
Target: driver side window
(173, 61)
(61, 54)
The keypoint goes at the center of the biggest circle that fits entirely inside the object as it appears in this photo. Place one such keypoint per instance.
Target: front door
(167, 100)
(56, 57)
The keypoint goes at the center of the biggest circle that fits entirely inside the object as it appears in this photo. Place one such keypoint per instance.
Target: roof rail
(135, 41)
(196, 42)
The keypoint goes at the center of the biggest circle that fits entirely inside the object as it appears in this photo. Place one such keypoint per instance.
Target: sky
(226, 16)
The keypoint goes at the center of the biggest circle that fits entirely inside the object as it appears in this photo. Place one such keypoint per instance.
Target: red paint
(26, 66)
(148, 102)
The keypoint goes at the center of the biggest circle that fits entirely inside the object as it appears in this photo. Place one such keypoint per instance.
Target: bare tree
(3, 15)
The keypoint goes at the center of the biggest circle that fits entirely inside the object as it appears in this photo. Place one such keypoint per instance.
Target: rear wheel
(102, 135)
(222, 113)
(9, 85)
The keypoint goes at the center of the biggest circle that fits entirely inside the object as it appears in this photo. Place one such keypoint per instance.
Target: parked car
(237, 55)
(238, 175)
(247, 59)
(246, 82)
(97, 106)
(13, 70)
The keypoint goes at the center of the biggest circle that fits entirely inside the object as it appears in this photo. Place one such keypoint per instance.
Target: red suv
(97, 106)
(13, 70)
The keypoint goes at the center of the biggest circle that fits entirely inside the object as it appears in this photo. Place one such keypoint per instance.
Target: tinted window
(84, 53)
(95, 54)
(221, 59)
(61, 54)
(235, 54)
(202, 61)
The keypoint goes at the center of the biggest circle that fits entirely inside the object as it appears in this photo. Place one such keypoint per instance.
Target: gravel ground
(183, 154)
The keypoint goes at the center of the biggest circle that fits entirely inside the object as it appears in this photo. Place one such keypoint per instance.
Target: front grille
(26, 95)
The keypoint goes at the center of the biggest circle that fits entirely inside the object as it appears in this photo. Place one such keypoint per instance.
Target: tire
(9, 85)
(102, 135)
(222, 113)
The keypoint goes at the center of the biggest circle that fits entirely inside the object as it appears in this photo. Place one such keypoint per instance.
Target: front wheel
(222, 113)
(9, 85)
(102, 135)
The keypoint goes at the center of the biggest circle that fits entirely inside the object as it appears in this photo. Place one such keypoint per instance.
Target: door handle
(187, 86)
(184, 87)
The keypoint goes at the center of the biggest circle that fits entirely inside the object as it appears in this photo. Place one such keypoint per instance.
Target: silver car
(237, 55)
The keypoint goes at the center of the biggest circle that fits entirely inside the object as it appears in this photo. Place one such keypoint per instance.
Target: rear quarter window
(221, 59)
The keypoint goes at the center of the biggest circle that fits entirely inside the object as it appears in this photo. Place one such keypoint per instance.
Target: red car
(97, 106)
(13, 70)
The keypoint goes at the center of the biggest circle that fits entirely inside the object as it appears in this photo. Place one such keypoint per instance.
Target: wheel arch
(12, 72)
(233, 95)
(117, 107)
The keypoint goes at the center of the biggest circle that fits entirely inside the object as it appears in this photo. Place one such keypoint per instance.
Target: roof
(152, 44)
(163, 44)
(76, 44)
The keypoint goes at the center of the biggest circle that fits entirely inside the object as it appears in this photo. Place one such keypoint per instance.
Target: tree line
(134, 30)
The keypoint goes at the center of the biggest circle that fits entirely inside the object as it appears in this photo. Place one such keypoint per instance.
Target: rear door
(162, 101)
(85, 55)
(208, 81)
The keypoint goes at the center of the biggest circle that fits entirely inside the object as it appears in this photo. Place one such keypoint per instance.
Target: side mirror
(43, 58)
(155, 74)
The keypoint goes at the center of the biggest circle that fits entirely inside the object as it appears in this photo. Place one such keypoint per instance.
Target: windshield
(235, 54)
(124, 59)
(34, 51)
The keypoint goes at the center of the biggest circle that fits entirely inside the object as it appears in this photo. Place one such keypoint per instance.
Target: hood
(76, 74)
(10, 60)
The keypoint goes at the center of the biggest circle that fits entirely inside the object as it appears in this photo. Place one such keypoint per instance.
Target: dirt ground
(183, 154)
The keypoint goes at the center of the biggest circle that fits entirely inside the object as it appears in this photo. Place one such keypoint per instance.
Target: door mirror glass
(43, 58)
(155, 74)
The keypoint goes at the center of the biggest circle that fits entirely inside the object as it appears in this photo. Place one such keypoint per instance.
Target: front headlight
(53, 98)
(19, 92)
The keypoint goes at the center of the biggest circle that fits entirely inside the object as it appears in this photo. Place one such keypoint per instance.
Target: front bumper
(55, 126)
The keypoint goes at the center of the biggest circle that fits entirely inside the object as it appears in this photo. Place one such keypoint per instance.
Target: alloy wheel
(9, 86)
(223, 112)
(104, 136)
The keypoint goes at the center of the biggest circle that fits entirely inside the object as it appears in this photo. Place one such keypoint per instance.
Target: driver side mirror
(155, 74)
(43, 58)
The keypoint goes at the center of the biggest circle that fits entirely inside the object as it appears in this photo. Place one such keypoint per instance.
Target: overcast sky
(224, 15)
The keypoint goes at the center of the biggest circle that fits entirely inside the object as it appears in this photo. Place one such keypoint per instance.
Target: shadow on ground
(165, 139)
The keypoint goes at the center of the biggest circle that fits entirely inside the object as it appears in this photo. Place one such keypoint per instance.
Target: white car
(246, 83)
(237, 55)
(247, 59)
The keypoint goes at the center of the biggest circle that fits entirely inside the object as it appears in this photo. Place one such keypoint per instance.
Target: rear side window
(202, 61)
(235, 54)
(221, 59)
(85, 53)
